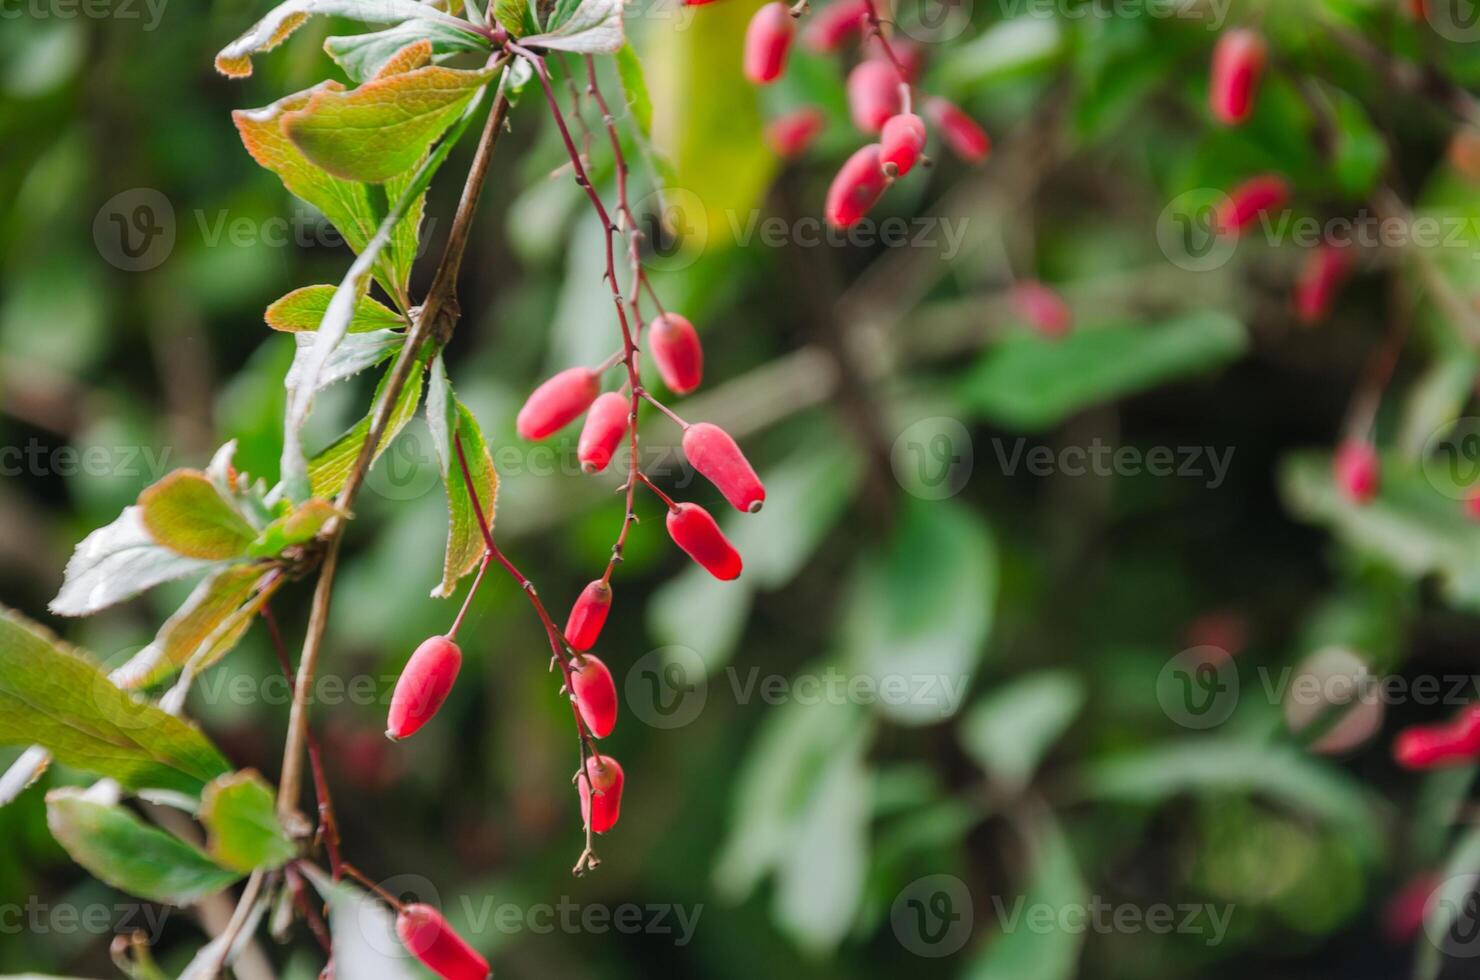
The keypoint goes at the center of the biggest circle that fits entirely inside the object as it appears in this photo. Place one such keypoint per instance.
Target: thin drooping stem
(436, 319)
(876, 25)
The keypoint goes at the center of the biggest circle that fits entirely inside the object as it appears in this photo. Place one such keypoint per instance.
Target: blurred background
(1042, 662)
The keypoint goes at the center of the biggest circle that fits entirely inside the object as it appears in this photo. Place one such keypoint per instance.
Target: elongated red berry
(716, 456)
(422, 687)
(962, 133)
(600, 787)
(694, 530)
(1238, 62)
(1043, 308)
(1320, 280)
(900, 143)
(595, 693)
(873, 95)
(1356, 470)
(768, 42)
(1428, 746)
(1250, 199)
(588, 615)
(675, 347)
(857, 187)
(558, 402)
(793, 134)
(911, 56)
(835, 25)
(427, 936)
(606, 423)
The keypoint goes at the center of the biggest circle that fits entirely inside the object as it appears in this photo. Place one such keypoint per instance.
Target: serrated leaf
(205, 628)
(1031, 382)
(513, 16)
(116, 562)
(121, 850)
(185, 513)
(355, 353)
(53, 697)
(331, 468)
(593, 27)
(384, 127)
(303, 310)
(465, 545)
(1009, 731)
(920, 613)
(634, 88)
(235, 60)
(239, 812)
(363, 56)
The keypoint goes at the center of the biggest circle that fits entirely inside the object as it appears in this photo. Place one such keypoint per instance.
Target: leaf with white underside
(297, 527)
(384, 127)
(363, 56)
(364, 931)
(310, 362)
(117, 562)
(53, 697)
(595, 27)
(235, 60)
(331, 468)
(121, 850)
(465, 545)
(185, 513)
(243, 832)
(303, 310)
(355, 353)
(207, 627)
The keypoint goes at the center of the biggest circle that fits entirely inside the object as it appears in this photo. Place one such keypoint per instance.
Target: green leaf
(235, 60)
(1436, 401)
(1416, 526)
(53, 697)
(362, 56)
(353, 354)
(1222, 764)
(634, 87)
(304, 309)
(364, 931)
(1031, 382)
(465, 545)
(1021, 952)
(204, 629)
(117, 562)
(186, 514)
(592, 27)
(331, 468)
(1009, 731)
(239, 812)
(121, 850)
(384, 127)
(515, 16)
(919, 614)
(1005, 50)
(1454, 893)
(1360, 153)
(292, 529)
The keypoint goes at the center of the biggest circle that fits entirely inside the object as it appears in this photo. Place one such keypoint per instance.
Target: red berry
(1043, 308)
(767, 43)
(962, 133)
(1238, 61)
(595, 693)
(1428, 746)
(1472, 505)
(428, 937)
(600, 810)
(1319, 282)
(558, 402)
(911, 56)
(1250, 199)
(422, 687)
(1403, 915)
(835, 25)
(792, 134)
(606, 423)
(716, 456)
(674, 344)
(901, 143)
(588, 615)
(873, 95)
(856, 188)
(1356, 470)
(694, 530)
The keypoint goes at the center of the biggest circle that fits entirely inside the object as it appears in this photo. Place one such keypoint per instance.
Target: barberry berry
(676, 350)
(606, 423)
(962, 134)
(588, 615)
(600, 786)
(768, 42)
(857, 187)
(595, 693)
(873, 95)
(716, 456)
(900, 143)
(427, 936)
(557, 402)
(1238, 62)
(423, 686)
(694, 530)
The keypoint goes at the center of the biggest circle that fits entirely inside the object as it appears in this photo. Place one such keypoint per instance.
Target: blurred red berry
(1319, 281)
(427, 936)
(857, 187)
(1249, 200)
(962, 133)
(793, 134)
(1238, 61)
(767, 43)
(873, 95)
(835, 25)
(901, 143)
(1356, 470)
(1043, 308)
